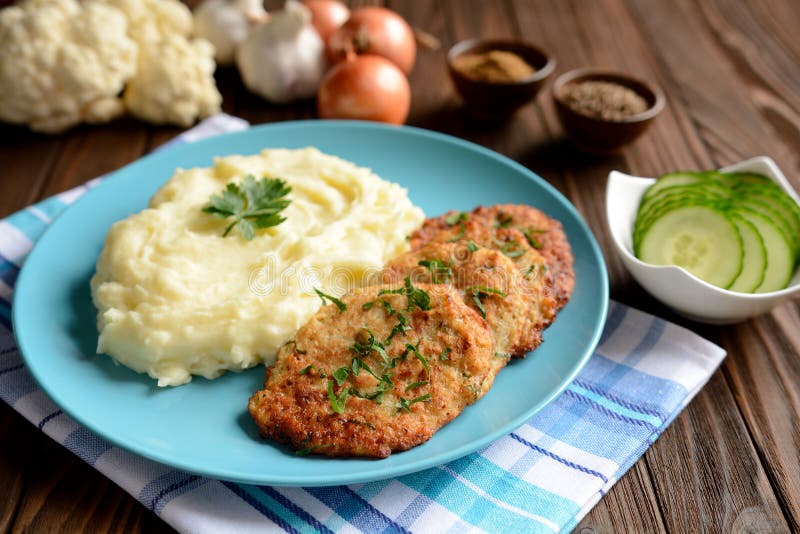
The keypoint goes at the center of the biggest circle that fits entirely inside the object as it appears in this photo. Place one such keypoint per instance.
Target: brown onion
(375, 30)
(327, 16)
(365, 88)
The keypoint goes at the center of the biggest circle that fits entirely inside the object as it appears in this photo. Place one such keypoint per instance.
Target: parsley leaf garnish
(305, 370)
(337, 401)
(512, 249)
(535, 243)
(456, 218)
(252, 204)
(471, 246)
(339, 304)
(481, 292)
(445, 355)
(404, 404)
(504, 220)
(441, 272)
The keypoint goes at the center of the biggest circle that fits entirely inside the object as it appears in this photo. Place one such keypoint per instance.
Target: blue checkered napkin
(543, 477)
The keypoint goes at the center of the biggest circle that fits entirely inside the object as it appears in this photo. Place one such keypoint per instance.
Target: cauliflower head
(150, 20)
(174, 82)
(62, 63)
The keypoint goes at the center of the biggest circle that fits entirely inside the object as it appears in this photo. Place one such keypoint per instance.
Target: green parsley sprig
(479, 293)
(252, 204)
(325, 298)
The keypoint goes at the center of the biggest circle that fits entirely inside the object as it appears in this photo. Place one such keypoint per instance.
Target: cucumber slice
(701, 239)
(780, 255)
(755, 257)
(705, 189)
(673, 179)
(777, 200)
(644, 222)
(747, 178)
(650, 206)
(770, 213)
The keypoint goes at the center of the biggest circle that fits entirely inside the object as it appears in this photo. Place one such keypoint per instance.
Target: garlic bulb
(283, 59)
(225, 23)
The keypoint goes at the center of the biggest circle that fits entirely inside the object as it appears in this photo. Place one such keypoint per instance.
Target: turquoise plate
(203, 427)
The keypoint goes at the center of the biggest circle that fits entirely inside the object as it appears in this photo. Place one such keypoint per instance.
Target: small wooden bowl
(499, 100)
(603, 136)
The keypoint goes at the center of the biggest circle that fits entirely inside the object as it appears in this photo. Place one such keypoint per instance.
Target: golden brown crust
(294, 407)
(537, 280)
(490, 282)
(546, 234)
(538, 229)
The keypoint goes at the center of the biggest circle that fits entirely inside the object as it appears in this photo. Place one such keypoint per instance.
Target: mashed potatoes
(177, 299)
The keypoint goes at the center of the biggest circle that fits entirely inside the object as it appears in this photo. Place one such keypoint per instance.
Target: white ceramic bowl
(674, 286)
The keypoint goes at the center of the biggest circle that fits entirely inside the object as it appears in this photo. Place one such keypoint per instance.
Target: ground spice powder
(495, 66)
(602, 100)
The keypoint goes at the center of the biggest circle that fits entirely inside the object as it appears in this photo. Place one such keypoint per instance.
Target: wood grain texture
(730, 70)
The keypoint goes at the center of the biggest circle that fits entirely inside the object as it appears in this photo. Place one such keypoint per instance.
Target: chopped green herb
(337, 401)
(417, 384)
(416, 297)
(445, 355)
(367, 306)
(528, 233)
(388, 305)
(366, 344)
(404, 404)
(340, 375)
(460, 235)
(399, 328)
(504, 220)
(324, 298)
(479, 293)
(460, 217)
(309, 450)
(512, 249)
(503, 355)
(305, 370)
(471, 246)
(322, 373)
(413, 349)
(252, 204)
(441, 271)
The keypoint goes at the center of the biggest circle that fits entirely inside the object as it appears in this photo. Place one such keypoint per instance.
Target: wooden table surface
(731, 72)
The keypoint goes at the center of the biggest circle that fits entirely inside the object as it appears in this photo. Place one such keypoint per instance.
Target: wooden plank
(26, 159)
(628, 507)
(764, 379)
(91, 151)
(62, 493)
(706, 472)
(720, 101)
(760, 41)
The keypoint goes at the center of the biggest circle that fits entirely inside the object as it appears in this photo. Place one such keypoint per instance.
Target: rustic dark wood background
(731, 72)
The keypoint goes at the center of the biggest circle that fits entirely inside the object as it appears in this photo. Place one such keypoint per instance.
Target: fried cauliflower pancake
(489, 281)
(536, 281)
(540, 232)
(543, 233)
(378, 371)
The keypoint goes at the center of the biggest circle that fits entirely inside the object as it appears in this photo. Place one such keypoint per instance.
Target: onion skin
(365, 87)
(327, 16)
(375, 30)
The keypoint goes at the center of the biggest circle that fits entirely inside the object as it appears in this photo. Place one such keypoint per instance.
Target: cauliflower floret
(62, 63)
(150, 20)
(174, 82)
